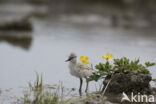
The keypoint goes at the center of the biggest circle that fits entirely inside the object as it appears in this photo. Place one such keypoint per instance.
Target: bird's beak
(70, 58)
(67, 60)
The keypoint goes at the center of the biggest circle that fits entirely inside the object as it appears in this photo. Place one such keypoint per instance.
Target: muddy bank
(123, 13)
(23, 24)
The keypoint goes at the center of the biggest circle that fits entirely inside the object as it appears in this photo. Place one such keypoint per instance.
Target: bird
(79, 70)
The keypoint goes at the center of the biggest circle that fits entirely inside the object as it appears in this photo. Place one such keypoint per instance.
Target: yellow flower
(84, 60)
(107, 57)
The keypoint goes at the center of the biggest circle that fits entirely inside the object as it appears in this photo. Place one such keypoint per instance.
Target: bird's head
(72, 58)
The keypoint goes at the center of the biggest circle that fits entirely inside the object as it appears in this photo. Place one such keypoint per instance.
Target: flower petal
(107, 54)
(103, 57)
(81, 58)
(86, 58)
(111, 56)
(106, 58)
(83, 61)
(86, 62)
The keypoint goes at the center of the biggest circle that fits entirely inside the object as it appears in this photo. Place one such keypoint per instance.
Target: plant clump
(43, 94)
(124, 75)
(122, 65)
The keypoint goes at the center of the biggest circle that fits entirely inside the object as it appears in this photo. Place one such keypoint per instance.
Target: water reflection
(20, 39)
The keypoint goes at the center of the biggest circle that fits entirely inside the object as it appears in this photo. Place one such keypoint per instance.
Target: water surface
(53, 40)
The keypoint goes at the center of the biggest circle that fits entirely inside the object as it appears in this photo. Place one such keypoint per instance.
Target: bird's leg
(81, 81)
(87, 82)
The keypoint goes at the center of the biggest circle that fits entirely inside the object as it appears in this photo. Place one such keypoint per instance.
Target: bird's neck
(73, 62)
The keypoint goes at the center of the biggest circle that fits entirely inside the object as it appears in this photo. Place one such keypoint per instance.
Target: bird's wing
(83, 70)
(83, 67)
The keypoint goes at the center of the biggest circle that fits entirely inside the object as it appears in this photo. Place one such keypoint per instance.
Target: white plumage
(77, 69)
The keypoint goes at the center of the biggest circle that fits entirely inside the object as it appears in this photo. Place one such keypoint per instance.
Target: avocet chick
(78, 70)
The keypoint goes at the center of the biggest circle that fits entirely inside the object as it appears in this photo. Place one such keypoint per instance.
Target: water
(54, 39)
(52, 42)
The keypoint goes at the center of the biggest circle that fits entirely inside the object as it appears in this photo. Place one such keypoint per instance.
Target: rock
(23, 24)
(153, 91)
(128, 82)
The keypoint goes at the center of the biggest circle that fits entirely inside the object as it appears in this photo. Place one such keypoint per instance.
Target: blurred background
(38, 35)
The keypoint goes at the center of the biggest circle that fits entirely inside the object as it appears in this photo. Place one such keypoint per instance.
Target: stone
(128, 82)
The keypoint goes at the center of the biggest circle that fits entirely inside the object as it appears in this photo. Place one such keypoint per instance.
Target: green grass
(38, 93)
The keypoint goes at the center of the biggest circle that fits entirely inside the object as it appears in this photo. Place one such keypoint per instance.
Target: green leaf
(149, 64)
